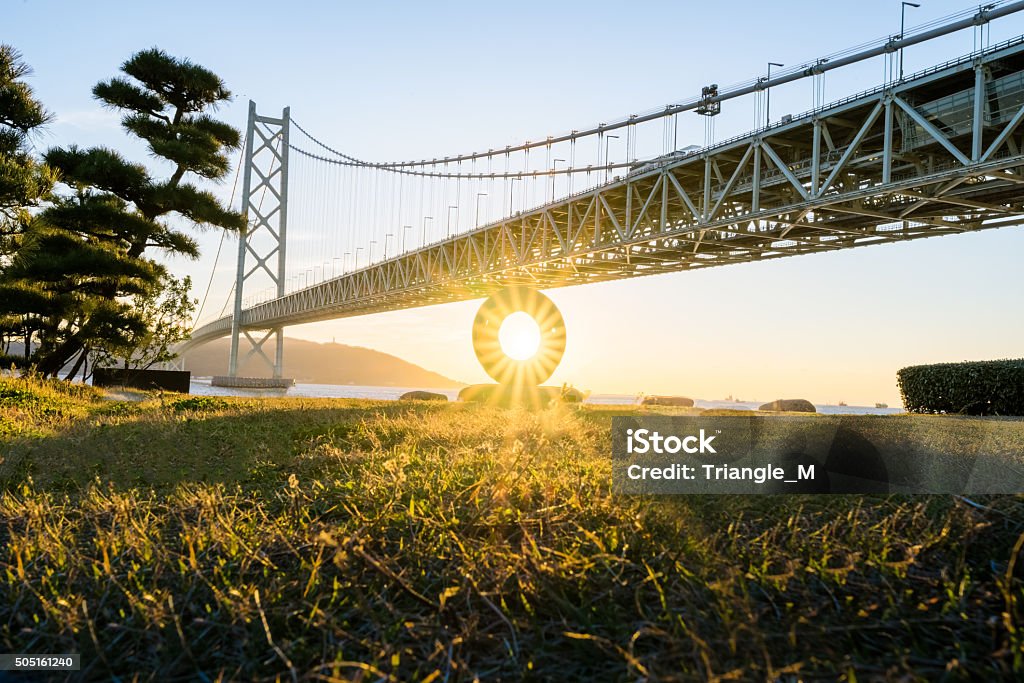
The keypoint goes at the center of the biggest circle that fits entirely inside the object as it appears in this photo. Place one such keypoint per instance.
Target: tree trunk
(52, 363)
(77, 365)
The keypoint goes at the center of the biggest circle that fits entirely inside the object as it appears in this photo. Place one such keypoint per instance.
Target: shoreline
(202, 387)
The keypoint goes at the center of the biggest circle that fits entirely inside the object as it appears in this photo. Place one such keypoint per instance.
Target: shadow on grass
(393, 541)
(151, 446)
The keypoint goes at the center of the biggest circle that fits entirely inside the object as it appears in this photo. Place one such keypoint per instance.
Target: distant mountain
(306, 361)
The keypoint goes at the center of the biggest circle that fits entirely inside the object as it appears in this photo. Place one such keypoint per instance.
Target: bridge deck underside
(935, 155)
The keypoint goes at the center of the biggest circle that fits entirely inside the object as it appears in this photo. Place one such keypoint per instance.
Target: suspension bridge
(937, 152)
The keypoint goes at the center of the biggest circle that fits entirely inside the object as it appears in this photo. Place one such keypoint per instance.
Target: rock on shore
(422, 396)
(791, 405)
(668, 401)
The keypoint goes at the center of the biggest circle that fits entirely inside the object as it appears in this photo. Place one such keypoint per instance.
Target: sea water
(201, 387)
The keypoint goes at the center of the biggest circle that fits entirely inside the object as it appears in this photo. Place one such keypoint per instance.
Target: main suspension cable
(883, 46)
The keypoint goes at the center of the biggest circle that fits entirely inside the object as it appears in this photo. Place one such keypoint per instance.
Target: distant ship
(881, 405)
(841, 403)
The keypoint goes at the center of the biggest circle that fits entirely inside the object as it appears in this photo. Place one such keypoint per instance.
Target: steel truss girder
(773, 194)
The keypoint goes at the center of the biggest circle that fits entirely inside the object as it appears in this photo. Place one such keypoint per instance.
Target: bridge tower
(262, 247)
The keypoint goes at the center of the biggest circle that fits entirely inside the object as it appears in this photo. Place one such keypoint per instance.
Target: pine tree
(88, 254)
(24, 182)
(167, 312)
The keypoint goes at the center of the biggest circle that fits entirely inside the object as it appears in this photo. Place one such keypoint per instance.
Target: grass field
(189, 538)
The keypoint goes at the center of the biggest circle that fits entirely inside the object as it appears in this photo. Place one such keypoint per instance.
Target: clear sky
(421, 80)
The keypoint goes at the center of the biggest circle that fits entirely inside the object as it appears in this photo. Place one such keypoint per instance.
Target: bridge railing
(964, 59)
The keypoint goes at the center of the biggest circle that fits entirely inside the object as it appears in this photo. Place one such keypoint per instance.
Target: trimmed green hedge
(993, 387)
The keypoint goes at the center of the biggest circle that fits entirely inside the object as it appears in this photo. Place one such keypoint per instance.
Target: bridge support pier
(279, 352)
(265, 205)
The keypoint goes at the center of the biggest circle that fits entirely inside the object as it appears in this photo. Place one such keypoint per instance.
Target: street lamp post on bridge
(450, 207)
(423, 239)
(903, 20)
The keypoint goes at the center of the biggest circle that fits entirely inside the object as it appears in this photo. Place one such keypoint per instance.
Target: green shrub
(31, 398)
(121, 409)
(199, 403)
(994, 387)
(31, 390)
(17, 397)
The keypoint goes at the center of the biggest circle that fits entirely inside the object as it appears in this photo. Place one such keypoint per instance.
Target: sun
(519, 336)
